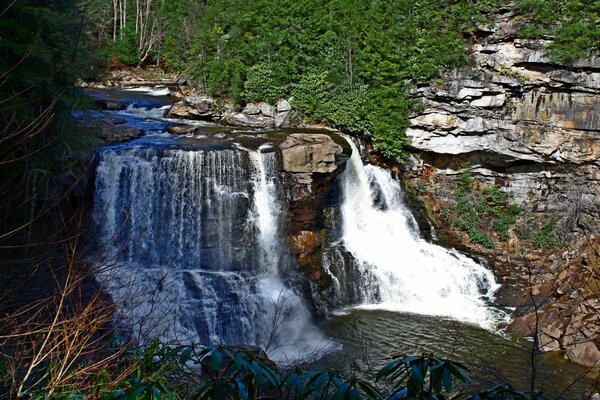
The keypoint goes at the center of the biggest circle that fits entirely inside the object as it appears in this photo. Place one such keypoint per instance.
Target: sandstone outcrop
(310, 163)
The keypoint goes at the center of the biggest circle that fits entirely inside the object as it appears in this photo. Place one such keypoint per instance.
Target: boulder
(309, 153)
(259, 108)
(251, 109)
(107, 104)
(181, 129)
(120, 133)
(243, 119)
(194, 106)
(283, 106)
(523, 326)
(582, 337)
(267, 109)
(282, 119)
(551, 330)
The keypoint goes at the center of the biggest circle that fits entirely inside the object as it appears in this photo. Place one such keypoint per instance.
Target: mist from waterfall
(402, 271)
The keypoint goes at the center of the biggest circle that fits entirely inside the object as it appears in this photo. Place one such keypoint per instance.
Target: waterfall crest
(401, 271)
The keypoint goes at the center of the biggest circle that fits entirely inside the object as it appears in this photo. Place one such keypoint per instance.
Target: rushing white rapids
(409, 273)
(196, 252)
(153, 91)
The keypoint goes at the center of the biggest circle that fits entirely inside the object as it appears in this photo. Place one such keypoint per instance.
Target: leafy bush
(476, 212)
(312, 93)
(226, 372)
(260, 85)
(546, 237)
(226, 78)
(573, 23)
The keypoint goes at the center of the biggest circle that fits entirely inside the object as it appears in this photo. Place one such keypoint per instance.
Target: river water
(192, 230)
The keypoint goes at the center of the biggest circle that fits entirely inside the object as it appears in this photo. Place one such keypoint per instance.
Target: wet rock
(111, 129)
(181, 129)
(120, 134)
(305, 243)
(107, 104)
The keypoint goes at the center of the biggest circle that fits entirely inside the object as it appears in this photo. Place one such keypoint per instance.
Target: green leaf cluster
(236, 373)
(574, 25)
(480, 211)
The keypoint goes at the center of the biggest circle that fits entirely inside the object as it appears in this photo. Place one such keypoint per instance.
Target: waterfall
(195, 249)
(401, 271)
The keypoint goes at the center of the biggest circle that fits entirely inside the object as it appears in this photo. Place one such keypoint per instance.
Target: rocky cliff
(517, 122)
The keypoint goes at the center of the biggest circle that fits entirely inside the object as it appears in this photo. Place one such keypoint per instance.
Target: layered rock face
(520, 121)
(516, 115)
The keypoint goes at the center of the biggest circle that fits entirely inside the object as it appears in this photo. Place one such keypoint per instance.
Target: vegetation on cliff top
(347, 62)
(573, 24)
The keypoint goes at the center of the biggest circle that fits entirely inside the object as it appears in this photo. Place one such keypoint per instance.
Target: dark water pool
(370, 337)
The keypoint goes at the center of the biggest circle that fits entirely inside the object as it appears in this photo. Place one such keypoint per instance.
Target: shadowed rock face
(521, 121)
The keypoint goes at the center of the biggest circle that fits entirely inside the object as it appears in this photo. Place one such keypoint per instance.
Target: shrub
(260, 85)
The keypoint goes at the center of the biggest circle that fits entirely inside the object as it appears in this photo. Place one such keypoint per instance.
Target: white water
(196, 253)
(293, 337)
(143, 112)
(411, 274)
(153, 91)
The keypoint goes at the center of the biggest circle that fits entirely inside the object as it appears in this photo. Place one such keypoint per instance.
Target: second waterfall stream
(408, 273)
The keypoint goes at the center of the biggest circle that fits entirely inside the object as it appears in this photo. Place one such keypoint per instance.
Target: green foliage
(573, 23)
(313, 93)
(416, 377)
(504, 392)
(476, 212)
(346, 62)
(125, 47)
(235, 373)
(487, 213)
(545, 237)
(260, 85)
(348, 110)
(226, 78)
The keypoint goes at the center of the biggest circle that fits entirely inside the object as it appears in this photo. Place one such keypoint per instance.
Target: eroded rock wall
(520, 121)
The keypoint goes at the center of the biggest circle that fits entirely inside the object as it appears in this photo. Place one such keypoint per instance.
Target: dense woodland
(346, 62)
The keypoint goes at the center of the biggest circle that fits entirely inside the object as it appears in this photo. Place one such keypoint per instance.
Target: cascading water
(400, 271)
(195, 253)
